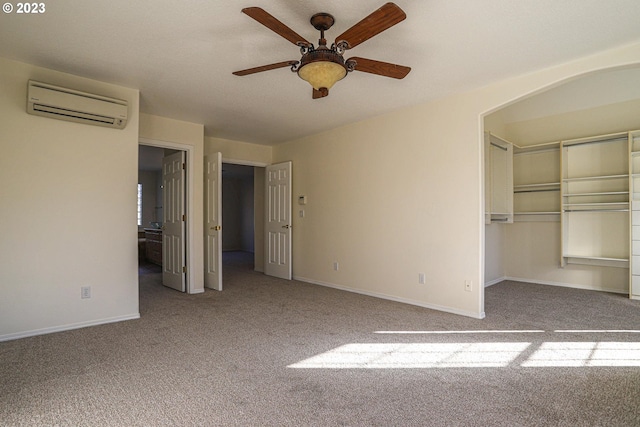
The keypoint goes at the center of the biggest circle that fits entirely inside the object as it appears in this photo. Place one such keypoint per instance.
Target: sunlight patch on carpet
(416, 355)
(572, 354)
(475, 355)
(510, 331)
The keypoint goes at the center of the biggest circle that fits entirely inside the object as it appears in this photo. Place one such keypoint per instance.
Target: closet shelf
(537, 213)
(594, 210)
(541, 190)
(597, 204)
(595, 178)
(604, 193)
(542, 184)
(598, 258)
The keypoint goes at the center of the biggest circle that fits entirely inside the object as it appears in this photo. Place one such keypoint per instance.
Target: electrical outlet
(467, 285)
(335, 265)
(85, 292)
(421, 278)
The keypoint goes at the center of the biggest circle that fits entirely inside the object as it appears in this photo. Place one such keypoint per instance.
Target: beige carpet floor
(268, 352)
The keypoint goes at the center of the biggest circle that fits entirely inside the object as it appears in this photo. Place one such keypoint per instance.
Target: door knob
(286, 226)
(217, 228)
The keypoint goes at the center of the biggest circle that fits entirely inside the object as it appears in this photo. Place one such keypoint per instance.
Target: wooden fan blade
(265, 68)
(384, 18)
(380, 68)
(269, 21)
(320, 93)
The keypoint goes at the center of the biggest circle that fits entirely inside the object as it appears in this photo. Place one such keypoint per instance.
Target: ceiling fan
(323, 66)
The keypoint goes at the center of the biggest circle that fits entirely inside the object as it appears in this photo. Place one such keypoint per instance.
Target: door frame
(190, 251)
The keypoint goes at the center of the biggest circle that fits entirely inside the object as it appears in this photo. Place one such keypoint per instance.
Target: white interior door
(278, 221)
(173, 223)
(213, 219)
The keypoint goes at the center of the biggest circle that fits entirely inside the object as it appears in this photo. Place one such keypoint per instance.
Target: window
(139, 204)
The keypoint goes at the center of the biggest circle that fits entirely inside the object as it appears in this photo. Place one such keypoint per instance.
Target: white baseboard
(493, 282)
(551, 283)
(565, 285)
(43, 331)
(393, 298)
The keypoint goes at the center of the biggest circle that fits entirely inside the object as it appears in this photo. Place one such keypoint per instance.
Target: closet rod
(598, 141)
(536, 191)
(499, 146)
(595, 210)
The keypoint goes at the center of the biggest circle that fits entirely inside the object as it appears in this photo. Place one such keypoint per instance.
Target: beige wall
(68, 209)
(533, 255)
(390, 198)
(401, 194)
(495, 252)
(239, 152)
(189, 137)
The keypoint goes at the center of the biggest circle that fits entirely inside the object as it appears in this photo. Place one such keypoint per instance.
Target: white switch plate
(421, 278)
(85, 292)
(468, 285)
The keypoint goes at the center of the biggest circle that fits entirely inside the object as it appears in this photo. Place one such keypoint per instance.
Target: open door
(173, 224)
(213, 221)
(278, 221)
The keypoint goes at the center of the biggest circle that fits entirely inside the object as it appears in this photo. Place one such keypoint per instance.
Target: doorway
(162, 199)
(243, 207)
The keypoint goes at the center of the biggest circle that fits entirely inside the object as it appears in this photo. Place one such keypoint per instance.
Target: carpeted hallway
(268, 352)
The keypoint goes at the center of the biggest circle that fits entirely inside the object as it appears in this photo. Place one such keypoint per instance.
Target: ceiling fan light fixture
(323, 66)
(322, 74)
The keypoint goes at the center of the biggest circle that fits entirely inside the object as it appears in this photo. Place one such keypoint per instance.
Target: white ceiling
(180, 55)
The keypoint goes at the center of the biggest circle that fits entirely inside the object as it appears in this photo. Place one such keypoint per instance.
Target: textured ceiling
(180, 55)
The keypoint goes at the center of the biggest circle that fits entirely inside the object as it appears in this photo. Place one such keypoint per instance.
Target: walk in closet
(589, 186)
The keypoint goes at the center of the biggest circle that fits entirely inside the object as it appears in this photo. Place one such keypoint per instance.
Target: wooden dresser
(153, 245)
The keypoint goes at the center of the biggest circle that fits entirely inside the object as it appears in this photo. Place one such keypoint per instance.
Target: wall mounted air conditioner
(67, 104)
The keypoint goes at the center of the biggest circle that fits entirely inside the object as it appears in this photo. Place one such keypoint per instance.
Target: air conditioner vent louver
(73, 114)
(67, 104)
